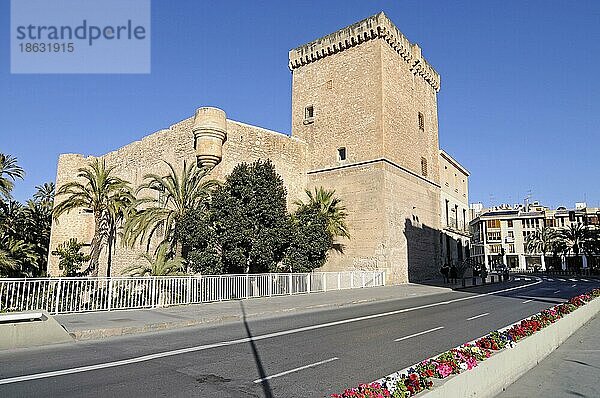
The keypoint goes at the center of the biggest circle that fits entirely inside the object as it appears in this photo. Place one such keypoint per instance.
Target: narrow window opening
(341, 154)
(309, 114)
(421, 122)
(424, 167)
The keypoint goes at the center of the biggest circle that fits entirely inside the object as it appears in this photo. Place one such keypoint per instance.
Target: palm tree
(576, 237)
(330, 207)
(159, 214)
(541, 241)
(9, 170)
(160, 265)
(17, 258)
(105, 195)
(45, 193)
(35, 229)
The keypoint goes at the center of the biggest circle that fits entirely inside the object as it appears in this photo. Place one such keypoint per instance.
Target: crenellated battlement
(378, 26)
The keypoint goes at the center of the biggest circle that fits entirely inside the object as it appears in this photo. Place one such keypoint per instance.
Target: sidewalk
(570, 371)
(463, 282)
(94, 325)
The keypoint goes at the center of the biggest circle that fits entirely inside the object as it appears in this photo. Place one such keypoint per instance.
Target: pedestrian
(484, 273)
(453, 274)
(445, 270)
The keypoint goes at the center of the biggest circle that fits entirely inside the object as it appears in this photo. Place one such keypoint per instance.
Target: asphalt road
(304, 355)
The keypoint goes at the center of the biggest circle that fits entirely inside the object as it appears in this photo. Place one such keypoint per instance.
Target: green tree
(250, 220)
(45, 194)
(330, 207)
(310, 241)
(17, 258)
(542, 241)
(159, 265)
(102, 193)
(10, 171)
(25, 229)
(576, 238)
(71, 259)
(172, 195)
(199, 242)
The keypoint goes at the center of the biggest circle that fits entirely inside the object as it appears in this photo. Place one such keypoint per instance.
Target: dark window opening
(424, 167)
(421, 122)
(309, 112)
(341, 154)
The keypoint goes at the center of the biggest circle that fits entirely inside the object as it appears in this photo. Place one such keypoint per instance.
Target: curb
(101, 333)
(31, 329)
(503, 368)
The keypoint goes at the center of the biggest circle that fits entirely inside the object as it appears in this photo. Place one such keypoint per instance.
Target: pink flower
(444, 370)
(471, 363)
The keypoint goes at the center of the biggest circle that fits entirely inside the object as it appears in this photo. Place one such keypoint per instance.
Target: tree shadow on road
(259, 366)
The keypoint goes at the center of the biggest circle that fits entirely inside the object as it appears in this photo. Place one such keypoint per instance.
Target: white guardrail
(65, 295)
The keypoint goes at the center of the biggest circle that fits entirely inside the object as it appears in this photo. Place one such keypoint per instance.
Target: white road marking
(585, 280)
(562, 280)
(312, 365)
(551, 280)
(573, 285)
(527, 301)
(573, 280)
(477, 316)
(557, 291)
(420, 333)
(187, 350)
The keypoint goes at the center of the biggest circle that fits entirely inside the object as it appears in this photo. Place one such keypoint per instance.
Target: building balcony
(458, 226)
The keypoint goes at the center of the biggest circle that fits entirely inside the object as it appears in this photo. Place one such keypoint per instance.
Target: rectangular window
(494, 236)
(424, 167)
(493, 223)
(309, 114)
(421, 122)
(511, 248)
(495, 248)
(341, 154)
(510, 223)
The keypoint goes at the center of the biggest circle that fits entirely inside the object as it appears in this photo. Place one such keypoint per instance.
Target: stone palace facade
(364, 122)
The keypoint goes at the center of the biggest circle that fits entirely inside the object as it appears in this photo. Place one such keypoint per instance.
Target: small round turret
(210, 132)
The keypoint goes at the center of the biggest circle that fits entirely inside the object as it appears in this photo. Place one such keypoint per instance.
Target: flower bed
(465, 357)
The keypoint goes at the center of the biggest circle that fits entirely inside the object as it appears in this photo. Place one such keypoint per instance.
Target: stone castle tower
(364, 122)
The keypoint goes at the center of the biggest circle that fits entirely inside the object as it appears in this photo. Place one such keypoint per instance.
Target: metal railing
(65, 295)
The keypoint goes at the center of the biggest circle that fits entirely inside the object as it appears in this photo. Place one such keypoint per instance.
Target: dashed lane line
(144, 358)
(477, 316)
(419, 334)
(287, 372)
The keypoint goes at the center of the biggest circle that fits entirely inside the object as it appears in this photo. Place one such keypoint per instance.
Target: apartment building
(499, 234)
(455, 217)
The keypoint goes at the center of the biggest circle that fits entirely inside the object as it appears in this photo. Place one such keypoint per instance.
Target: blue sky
(519, 104)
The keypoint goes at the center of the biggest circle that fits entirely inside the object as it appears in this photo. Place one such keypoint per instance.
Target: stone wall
(404, 142)
(244, 143)
(345, 92)
(393, 220)
(359, 187)
(412, 225)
